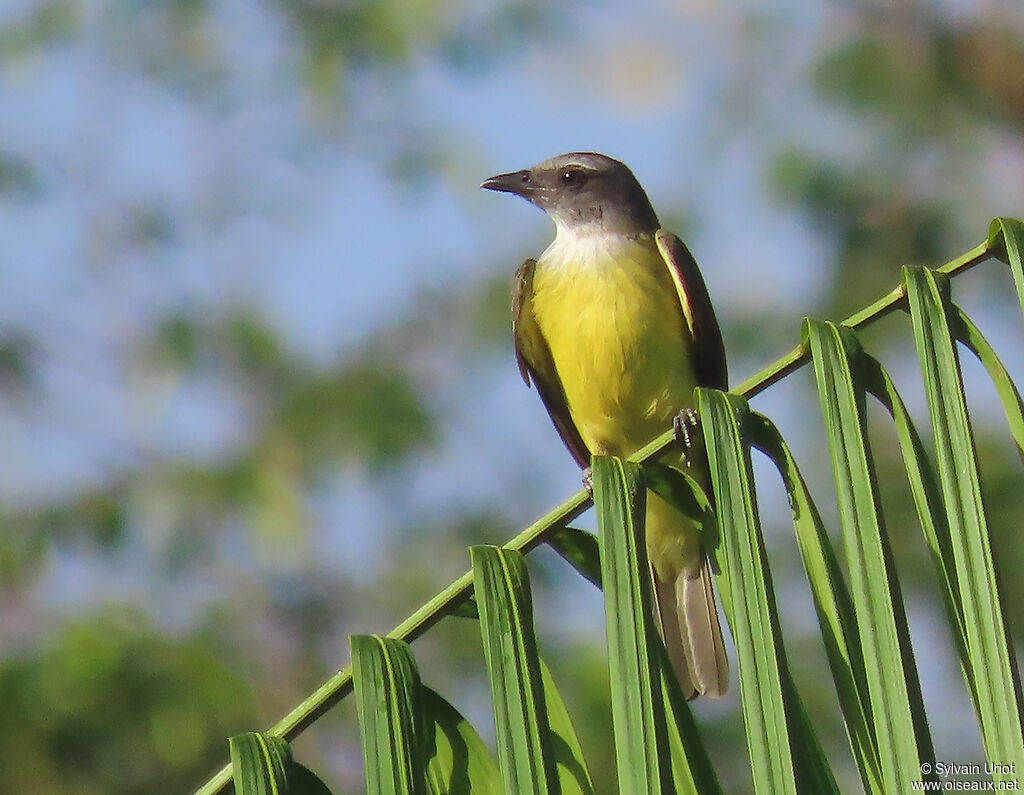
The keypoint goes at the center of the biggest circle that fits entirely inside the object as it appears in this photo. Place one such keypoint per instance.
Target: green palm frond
(415, 741)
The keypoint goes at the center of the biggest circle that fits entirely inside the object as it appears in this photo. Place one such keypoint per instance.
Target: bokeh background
(257, 389)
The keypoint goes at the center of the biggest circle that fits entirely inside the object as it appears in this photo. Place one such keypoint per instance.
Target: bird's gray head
(583, 189)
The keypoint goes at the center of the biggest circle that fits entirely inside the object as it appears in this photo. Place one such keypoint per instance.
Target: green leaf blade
(750, 607)
(580, 550)
(502, 589)
(832, 603)
(261, 763)
(638, 718)
(992, 658)
(893, 691)
(925, 490)
(573, 775)
(692, 771)
(387, 688)
(1008, 234)
(458, 760)
(970, 335)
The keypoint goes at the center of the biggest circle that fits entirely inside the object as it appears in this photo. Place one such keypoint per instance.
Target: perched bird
(614, 327)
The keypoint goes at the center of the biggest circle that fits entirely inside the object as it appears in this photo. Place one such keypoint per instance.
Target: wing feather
(535, 363)
(709, 365)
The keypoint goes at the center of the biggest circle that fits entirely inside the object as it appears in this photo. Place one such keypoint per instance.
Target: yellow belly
(612, 320)
(611, 317)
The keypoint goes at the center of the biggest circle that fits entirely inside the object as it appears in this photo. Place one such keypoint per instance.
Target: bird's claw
(588, 479)
(683, 426)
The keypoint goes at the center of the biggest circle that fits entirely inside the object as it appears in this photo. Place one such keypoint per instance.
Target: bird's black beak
(518, 182)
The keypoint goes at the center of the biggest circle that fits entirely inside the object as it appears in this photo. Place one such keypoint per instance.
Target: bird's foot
(684, 426)
(588, 479)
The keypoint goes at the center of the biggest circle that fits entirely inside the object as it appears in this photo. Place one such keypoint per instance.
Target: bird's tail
(685, 613)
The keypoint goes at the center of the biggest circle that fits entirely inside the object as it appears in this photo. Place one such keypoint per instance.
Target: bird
(614, 327)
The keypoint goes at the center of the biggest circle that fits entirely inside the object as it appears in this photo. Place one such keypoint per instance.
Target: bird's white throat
(590, 245)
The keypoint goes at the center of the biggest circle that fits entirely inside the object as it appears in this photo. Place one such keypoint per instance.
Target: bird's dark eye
(573, 177)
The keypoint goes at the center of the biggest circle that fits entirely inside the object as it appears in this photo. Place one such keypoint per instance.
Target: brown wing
(709, 364)
(536, 364)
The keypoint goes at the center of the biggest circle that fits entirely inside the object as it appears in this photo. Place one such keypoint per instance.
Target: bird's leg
(588, 479)
(685, 425)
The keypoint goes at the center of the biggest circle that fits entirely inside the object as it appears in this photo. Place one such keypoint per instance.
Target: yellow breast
(609, 311)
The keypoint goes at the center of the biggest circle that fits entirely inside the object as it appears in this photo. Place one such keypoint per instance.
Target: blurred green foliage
(924, 92)
(109, 703)
(370, 411)
(875, 225)
(928, 76)
(44, 24)
(17, 177)
(95, 518)
(16, 352)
